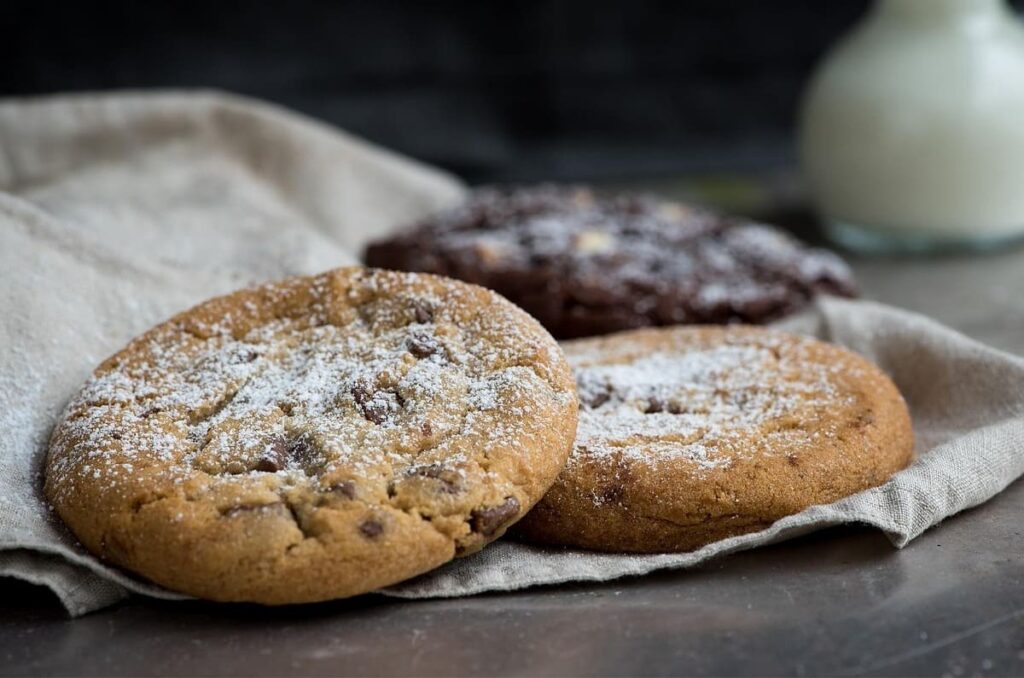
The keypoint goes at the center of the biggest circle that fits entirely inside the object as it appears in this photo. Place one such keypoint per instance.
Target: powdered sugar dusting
(586, 264)
(301, 399)
(707, 405)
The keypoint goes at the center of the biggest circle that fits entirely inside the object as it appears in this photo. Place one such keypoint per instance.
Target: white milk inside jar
(912, 130)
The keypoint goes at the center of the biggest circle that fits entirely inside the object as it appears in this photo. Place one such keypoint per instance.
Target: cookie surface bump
(586, 265)
(690, 435)
(314, 438)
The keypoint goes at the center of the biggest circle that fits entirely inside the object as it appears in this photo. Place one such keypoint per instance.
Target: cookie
(691, 435)
(584, 265)
(314, 438)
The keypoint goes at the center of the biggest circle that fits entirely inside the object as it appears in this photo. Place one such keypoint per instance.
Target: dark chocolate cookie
(585, 265)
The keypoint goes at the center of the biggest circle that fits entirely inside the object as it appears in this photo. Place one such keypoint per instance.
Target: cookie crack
(678, 439)
(428, 519)
(447, 438)
(225, 400)
(299, 523)
(236, 509)
(696, 519)
(139, 504)
(547, 379)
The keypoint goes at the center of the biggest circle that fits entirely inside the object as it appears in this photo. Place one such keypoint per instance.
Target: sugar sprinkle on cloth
(117, 211)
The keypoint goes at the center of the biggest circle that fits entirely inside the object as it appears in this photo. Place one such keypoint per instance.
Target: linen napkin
(117, 211)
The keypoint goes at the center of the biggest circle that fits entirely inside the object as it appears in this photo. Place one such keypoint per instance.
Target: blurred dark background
(515, 91)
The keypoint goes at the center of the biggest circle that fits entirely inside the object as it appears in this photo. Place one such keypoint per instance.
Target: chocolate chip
(372, 408)
(116, 435)
(793, 459)
(654, 405)
(490, 519)
(426, 429)
(268, 464)
(345, 488)
(422, 345)
(282, 452)
(371, 529)
(376, 411)
(275, 456)
(151, 411)
(422, 311)
(449, 480)
(361, 392)
(301, 450)
(595, 399)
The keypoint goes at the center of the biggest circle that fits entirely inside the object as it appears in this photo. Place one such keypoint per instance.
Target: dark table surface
(839, 602)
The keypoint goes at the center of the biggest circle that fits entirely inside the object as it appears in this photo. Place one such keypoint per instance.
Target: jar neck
(941, 12)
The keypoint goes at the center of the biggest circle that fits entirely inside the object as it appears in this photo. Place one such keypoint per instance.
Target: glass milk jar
(912, 130)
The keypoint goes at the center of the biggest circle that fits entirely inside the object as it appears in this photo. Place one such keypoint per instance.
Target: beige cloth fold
(119, 210)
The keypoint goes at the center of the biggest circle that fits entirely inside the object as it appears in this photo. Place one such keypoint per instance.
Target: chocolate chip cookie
(690, 435)
(585, 265)
(314, 438)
